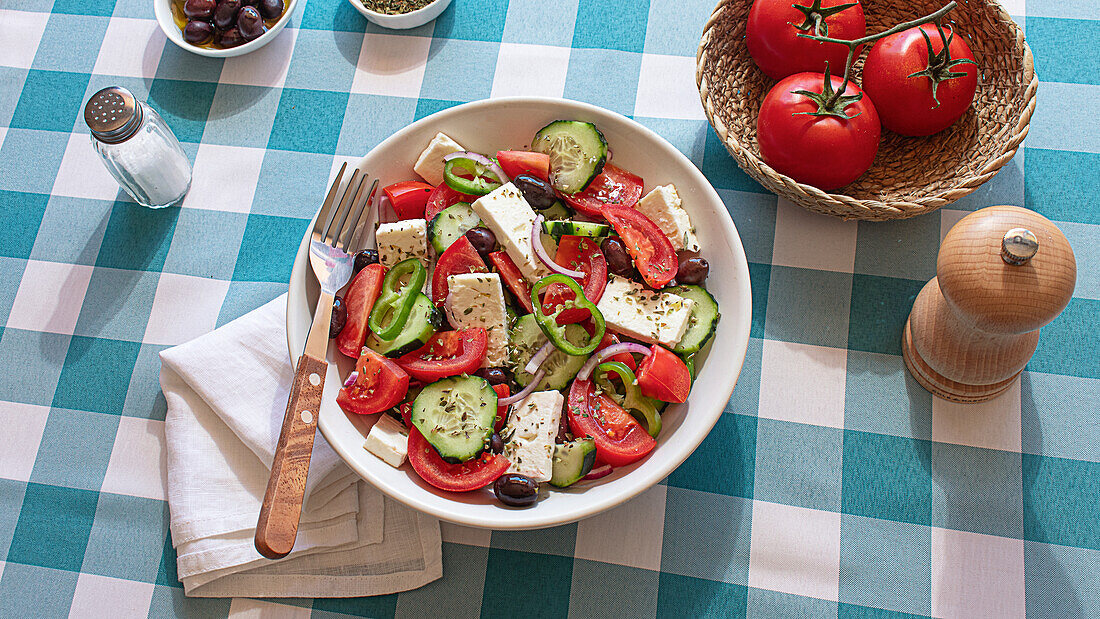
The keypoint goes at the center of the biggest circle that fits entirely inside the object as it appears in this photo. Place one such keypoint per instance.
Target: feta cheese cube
(654, 317)
(477, 300)
(389, 440)
(430, 163)
(531, 430)
(510, 218)
(664, 207)
(401, 240)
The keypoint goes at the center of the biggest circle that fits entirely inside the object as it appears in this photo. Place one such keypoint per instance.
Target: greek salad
(525, 318)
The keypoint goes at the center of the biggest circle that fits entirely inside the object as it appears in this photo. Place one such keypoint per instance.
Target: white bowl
(163, 11)
(403, 21)
(498, 124)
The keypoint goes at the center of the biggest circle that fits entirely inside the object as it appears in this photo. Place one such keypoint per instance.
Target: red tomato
(448, 353)
(359, 301)
(619, 439)
(827, 152)
(460, 257)
(516, 162)
(772, 30)
(381, 385)
(648, 246)
(512, 278)
(664, 376)
(442, 197)
(409, 198)
(613, 186)
(406, 409)
(905, 104)
(581, 254)
(464, 477)
(503, 391)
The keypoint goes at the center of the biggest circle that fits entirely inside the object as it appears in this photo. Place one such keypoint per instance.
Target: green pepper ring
(397, 298)
(632, 400)
(476, 186)
(549, 324)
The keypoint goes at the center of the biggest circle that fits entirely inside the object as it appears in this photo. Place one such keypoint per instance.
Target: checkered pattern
(850, 492)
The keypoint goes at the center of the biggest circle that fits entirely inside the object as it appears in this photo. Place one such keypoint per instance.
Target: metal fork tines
(336, 231)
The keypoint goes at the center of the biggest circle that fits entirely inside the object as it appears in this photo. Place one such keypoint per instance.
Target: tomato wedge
(619, 439)
(460, 257)
(463, 477)
(648, 246)
(449, 353)
(442, 197)
(381, 385)
(503, 391)
(613, 186)
(512, 278)
(664, 376)
(516, 162)
(582, 254)
(359, 300)
(409, 198)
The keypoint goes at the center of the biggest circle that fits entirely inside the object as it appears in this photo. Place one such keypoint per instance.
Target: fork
(330, 246)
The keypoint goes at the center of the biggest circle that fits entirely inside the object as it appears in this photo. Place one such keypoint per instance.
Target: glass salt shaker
(137, 147)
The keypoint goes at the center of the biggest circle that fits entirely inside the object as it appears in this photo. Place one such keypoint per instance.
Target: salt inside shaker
(137, 147)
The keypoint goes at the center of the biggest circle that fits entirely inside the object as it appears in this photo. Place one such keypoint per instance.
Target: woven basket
(910, 176)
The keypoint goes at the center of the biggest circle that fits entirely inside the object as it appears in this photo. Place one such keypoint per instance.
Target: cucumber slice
(572, 461)
(456, 416)
(577, 152)
(526, 338)
(451, 223)
(703, 321)
(557, 229)
(557, 210)
(424, 320)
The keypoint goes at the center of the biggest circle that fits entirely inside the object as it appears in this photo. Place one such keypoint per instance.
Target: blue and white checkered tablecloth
(848, 492)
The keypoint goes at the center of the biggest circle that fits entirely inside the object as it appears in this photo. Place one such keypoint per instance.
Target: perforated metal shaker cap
(113, 114)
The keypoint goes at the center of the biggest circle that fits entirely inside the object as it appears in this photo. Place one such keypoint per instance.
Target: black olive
(483, 240)
(365, 257)
(197, 32)
(692, 271)
(339, 317)
(231, 37)
(516, 490)
(564, 435)
(199, 9)
(494, 376)
(271, 9)
(496, 444)
(618, 259)
(225, 16)
(250, 23)
(538, 193)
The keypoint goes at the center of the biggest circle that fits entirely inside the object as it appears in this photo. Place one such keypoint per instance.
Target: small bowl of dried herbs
(400, 14)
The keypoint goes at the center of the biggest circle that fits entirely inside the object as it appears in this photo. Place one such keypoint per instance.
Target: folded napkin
(227, 393)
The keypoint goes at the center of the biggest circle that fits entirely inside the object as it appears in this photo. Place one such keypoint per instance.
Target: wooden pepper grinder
(1002, 273)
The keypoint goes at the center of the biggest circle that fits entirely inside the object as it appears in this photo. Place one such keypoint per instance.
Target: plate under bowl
(510, 123)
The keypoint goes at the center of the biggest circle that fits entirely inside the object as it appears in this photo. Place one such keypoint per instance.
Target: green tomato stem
(854, 44)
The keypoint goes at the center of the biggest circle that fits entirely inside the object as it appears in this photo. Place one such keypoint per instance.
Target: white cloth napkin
(226, 394)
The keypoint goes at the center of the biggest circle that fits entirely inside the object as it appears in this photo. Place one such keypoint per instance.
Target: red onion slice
(481, 160)
(540, 251)
(540, 357)
(383, 211)
(610, 351)
(512, 399)
(600, 471)
(354, 376)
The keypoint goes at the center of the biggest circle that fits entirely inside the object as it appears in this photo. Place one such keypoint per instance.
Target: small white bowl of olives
(222, 28)
(400, 14)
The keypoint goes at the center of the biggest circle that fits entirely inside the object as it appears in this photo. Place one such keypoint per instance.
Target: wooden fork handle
(278, 523)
